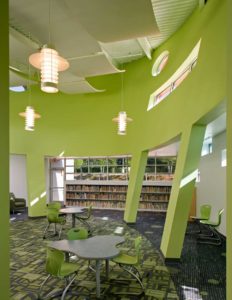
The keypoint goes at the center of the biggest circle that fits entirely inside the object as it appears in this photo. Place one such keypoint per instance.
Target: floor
(199, 275)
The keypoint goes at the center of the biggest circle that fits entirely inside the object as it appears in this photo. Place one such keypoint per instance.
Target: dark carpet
(199, 275)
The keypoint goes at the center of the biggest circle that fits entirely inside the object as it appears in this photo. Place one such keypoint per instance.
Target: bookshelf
(112, 194)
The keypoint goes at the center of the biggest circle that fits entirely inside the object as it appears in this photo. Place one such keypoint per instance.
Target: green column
(138, 164)
(182, 190)
(36, 179)
(229, 161)
(4, 153)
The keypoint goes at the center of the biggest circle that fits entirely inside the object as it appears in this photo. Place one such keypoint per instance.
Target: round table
(73, 210)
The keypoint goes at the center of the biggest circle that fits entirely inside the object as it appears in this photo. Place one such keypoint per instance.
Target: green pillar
(229, 161)
(36, 179)
(138, 165)
(182, 190)
(4, 153)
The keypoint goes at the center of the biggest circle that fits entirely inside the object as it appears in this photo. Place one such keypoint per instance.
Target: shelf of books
(112, 194)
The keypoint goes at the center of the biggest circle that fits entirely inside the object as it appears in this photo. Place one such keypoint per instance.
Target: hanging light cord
(49, 22)
(28, 81)
(122, 93)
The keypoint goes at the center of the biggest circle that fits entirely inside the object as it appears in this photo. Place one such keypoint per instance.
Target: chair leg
(137, 277)
(60, 232)
(214, 239)
(41, 286)
(68, 286)
(45, 231)
(84, 222)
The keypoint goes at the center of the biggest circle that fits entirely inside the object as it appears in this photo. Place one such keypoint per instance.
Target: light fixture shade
(122, 120)
(30, 117)
(50, 63)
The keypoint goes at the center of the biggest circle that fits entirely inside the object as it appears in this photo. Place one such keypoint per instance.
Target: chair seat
(19, 203)
(210, 223)
(68, 268)
(125, 259)
(60, 220)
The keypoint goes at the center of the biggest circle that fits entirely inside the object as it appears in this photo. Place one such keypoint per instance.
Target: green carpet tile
(28, 254)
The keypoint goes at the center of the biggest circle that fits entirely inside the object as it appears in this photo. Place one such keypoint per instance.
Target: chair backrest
(12, 196)
(138, 242)
(220, 216)
(205, 211)
(54, 204)
(52, 215)
(54, 261)
(77, 234)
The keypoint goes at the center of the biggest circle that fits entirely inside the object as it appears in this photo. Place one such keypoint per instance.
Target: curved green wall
(81, 125)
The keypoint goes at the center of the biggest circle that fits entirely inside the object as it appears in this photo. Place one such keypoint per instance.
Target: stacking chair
(77, 234)
(205, 211)
(84, 218)
(56, 266)
(214, 238)
(55, 205)
(130, 263)
(54, 218)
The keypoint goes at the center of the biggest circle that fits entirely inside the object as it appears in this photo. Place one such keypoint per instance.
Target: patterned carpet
(200, 274)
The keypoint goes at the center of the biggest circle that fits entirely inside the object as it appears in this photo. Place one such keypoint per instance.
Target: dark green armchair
(17, 204)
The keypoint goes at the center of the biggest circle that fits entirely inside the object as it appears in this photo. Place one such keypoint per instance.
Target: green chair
(54, 218)
(130, 263)
(214, 238)
(56, 266)
(84, 218)
(77, 234)
(54, 204)
(205, 211)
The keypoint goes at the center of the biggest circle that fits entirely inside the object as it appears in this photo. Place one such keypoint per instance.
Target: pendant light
(29, 114)
(122, 118)
(50, 63)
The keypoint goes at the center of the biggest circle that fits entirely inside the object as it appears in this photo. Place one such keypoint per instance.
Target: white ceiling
(95, 36)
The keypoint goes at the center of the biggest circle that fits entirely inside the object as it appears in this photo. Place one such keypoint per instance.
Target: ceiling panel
(71, 84)
(170, 15)
(75, 28)
(92, 66)
(115, 20)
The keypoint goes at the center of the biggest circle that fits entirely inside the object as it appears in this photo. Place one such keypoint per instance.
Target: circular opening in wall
(160, 63)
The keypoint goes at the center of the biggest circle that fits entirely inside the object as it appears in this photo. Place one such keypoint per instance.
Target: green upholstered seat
(17, 204)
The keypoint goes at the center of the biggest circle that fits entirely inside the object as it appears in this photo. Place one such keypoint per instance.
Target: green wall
(4, 153)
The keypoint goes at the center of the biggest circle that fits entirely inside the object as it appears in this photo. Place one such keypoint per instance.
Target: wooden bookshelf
(112, 194)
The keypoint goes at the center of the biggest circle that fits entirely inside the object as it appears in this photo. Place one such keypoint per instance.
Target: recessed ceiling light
(18, 89)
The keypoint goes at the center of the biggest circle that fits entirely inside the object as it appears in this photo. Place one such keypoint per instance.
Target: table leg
(98, 281)
(107, 269)
(73, 221)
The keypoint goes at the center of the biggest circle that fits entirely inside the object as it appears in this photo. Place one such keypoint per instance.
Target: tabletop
(97, 247)
(71, 210)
